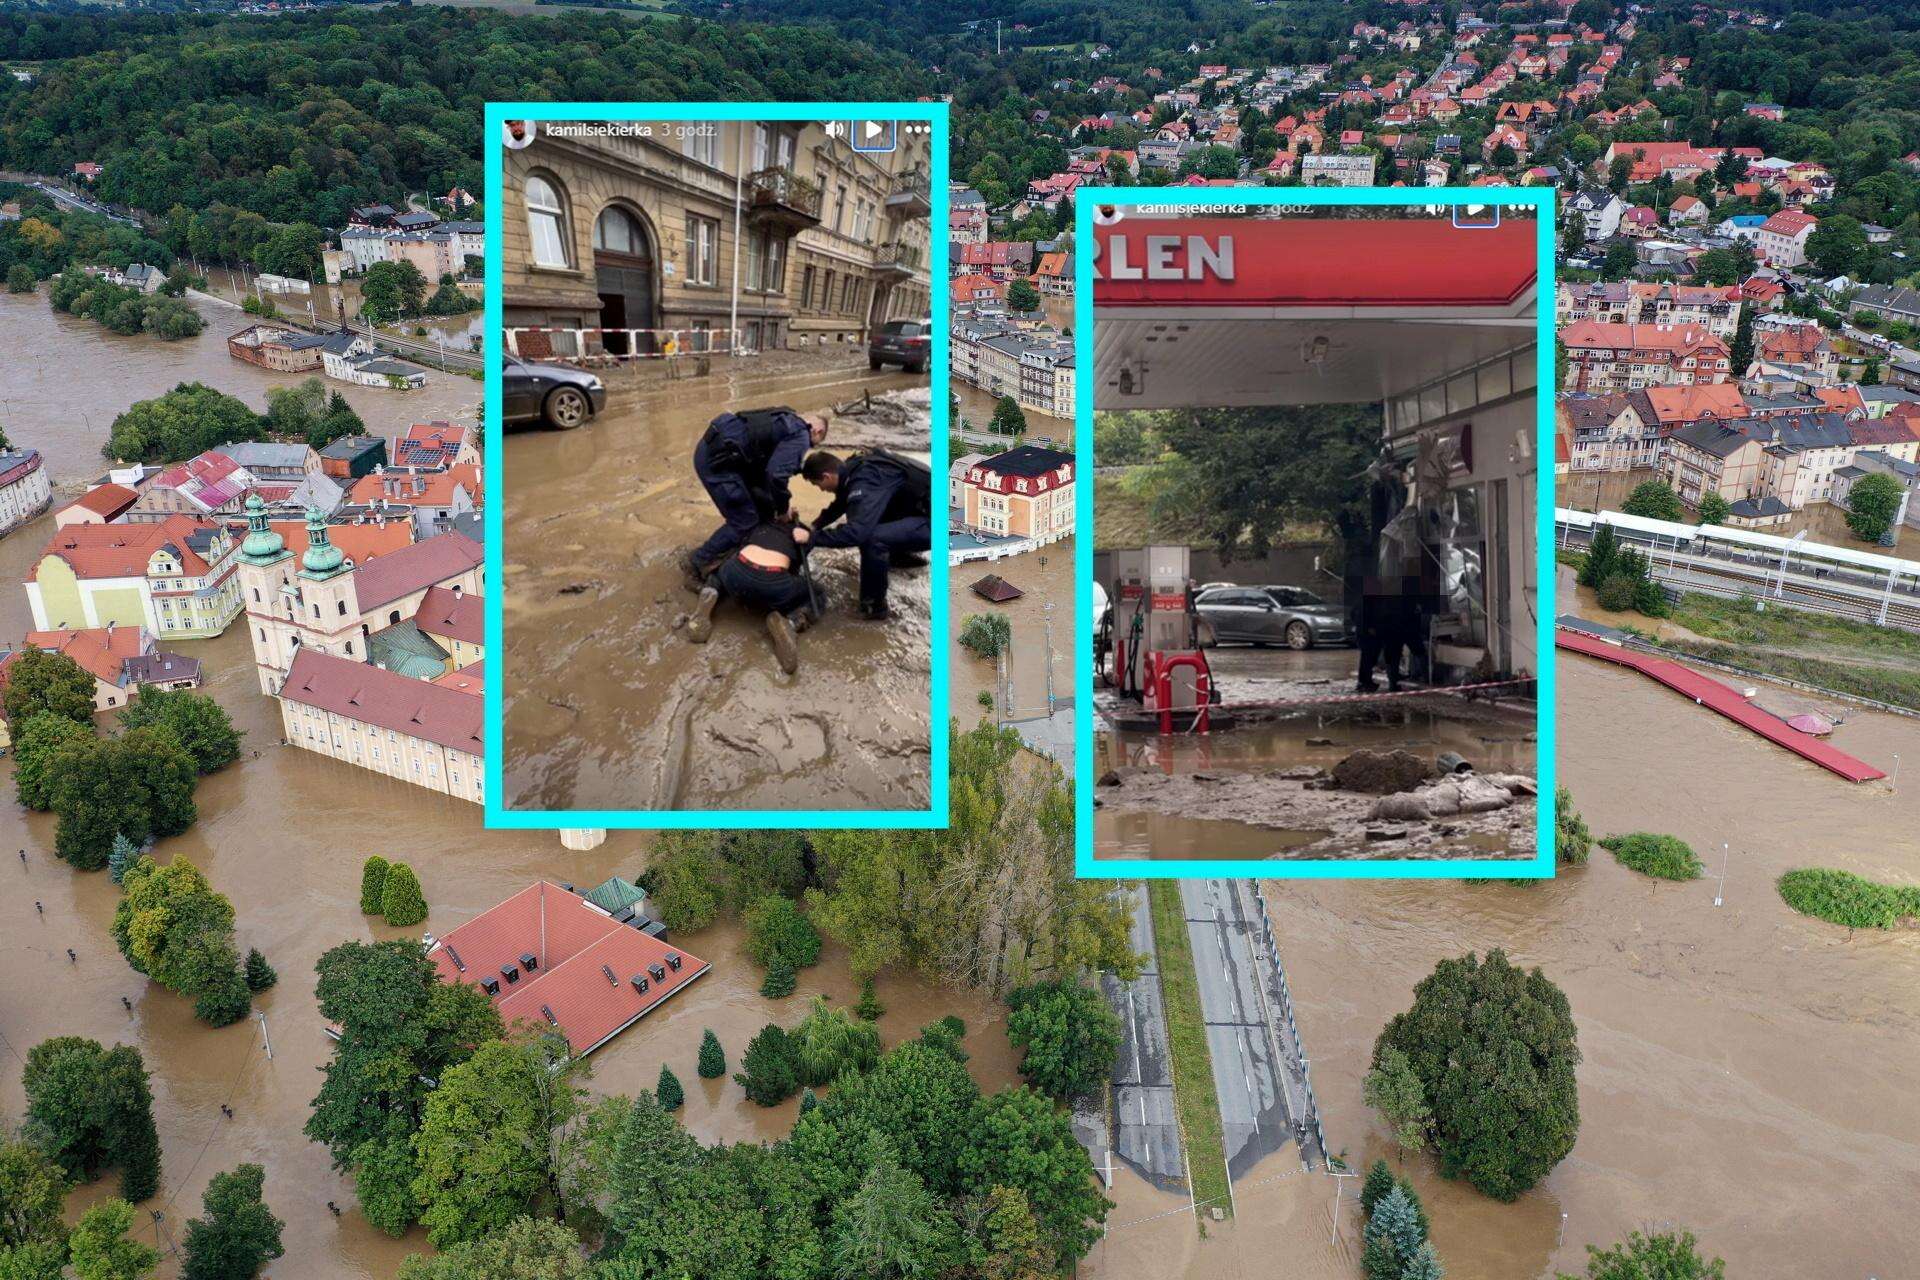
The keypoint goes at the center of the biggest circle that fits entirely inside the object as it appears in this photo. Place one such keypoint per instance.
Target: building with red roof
(174, 577)
(101, 504)
(417, 731)
(1782, 241)
(434, 444)
(121, 660)
(549, 958)
(1627, 357)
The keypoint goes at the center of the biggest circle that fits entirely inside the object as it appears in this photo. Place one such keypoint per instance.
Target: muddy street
(1249, 791)
(608, 706)
(46, 407)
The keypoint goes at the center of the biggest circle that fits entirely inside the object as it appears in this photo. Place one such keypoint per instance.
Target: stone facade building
(813, 242)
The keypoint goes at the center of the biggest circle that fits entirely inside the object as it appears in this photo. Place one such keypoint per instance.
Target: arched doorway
(623, 266)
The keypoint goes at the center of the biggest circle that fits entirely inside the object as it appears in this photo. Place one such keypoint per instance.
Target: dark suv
(553, 394)
(906, 343)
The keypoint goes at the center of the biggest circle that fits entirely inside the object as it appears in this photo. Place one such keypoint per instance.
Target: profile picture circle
(1106, 215)
(518, 134)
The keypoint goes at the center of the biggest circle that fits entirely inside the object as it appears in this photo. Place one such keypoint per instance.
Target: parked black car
(553, 394)
(906, 343)
(1292, 616)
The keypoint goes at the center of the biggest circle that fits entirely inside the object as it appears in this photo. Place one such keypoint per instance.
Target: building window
(343, 608)
(547, 223)
(806, 287)
(703, 250)
(703, 144)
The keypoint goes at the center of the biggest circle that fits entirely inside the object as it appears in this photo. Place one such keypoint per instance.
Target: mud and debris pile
(1371, 804)
(898, 420)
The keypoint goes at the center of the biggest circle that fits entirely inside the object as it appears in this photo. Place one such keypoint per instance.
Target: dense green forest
(301, 117)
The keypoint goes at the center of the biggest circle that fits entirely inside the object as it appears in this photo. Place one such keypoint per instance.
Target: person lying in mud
(746, 462)
(882, 504)
(768, 573)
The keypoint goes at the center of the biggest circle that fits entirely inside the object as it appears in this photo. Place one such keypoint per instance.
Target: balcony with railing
(912, 195)
(896, 259)
(781, 198)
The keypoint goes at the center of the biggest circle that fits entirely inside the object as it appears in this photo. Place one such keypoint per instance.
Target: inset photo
(1315, 582)
(721, 402)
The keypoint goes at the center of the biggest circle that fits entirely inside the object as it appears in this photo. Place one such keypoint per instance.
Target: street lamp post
(1720, 894)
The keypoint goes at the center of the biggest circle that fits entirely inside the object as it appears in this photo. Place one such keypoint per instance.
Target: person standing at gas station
(747, 461)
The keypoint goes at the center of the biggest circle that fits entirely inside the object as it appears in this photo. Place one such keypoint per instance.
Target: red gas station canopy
(1399, 263)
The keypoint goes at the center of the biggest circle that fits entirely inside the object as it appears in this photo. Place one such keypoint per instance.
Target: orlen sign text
(1150, 257)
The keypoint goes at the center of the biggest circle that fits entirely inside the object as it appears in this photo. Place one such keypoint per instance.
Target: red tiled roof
(1674, 405)
(1789, 222)
(360, 543)
(123, 550)
(470, 679)
(571, 940)
(410, 569)
(373, 695)
(101, 650)
(107, 500)
(445, 612)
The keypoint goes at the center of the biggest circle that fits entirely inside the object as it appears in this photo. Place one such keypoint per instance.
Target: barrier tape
(1107, 715)
(688, 342)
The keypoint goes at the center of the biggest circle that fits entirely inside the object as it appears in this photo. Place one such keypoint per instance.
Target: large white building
(24, 489)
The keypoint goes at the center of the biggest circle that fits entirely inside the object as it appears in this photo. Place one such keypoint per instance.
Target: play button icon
(873, 135)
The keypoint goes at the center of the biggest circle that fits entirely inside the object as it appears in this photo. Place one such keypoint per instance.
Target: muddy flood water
(283, 836)
(608, 706)
(1046, 576)
(44, 405)
(1238, 820)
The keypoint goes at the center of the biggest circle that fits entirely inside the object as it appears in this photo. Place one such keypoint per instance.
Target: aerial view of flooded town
(280, 1004)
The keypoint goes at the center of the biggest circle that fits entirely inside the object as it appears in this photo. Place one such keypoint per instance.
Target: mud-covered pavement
(1263, 788)
(607, 705)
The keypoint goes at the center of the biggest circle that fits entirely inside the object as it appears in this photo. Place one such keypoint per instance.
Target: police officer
(882, 504)
(746, 460)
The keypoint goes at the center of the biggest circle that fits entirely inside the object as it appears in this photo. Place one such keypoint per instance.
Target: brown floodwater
(609, 706)
(1046, 576)
(1746, 1070)
(335, 304)
(283, 835)
(82, 377)
(977, 406)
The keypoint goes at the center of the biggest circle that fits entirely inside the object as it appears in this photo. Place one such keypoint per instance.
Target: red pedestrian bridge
(1716, 696)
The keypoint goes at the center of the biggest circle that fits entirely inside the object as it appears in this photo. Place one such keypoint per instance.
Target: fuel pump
(1154, 637)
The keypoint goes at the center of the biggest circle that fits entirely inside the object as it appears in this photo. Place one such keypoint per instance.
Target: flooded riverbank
(63, 401)
(608, 706)
(1744, 1067)
(1046, 576)
(283, 835)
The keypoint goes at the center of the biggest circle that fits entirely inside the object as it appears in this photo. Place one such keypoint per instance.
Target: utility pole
(739, 199)
(1720, 894)
(1047, 614)
(996, 38)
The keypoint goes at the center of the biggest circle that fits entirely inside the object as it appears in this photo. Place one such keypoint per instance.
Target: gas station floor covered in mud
(606, 703)
(1320, 779)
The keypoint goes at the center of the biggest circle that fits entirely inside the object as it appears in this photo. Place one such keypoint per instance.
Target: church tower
(289, 606)
(266, 591)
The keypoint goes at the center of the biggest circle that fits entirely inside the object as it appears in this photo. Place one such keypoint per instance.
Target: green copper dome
(322, 558)
(261, 542)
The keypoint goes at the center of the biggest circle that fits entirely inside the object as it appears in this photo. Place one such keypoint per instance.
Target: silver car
(1292, 616)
